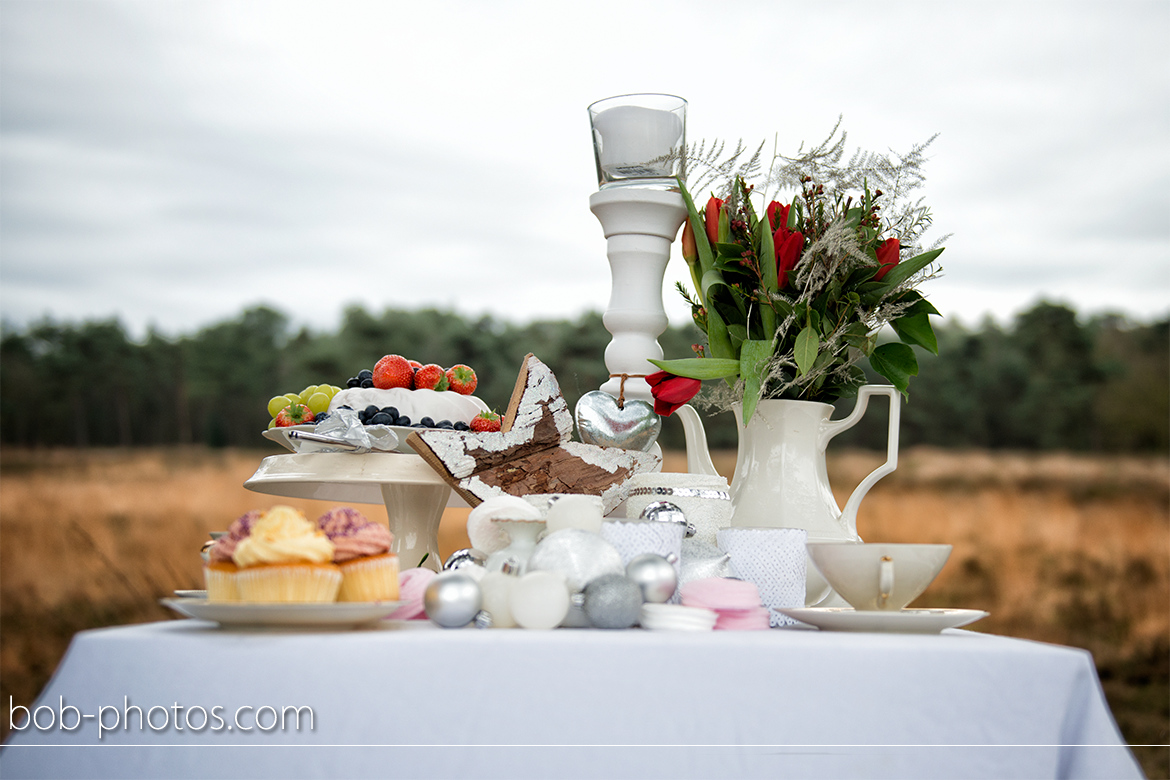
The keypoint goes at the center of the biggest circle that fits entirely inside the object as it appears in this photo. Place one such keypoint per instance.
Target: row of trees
(1048, 381)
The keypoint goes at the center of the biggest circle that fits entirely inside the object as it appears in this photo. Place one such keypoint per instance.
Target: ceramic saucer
(906, 621)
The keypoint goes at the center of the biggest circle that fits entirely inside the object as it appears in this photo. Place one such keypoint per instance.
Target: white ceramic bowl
(883, 577)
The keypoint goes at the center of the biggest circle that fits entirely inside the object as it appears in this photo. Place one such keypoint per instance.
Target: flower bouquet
(793, 296)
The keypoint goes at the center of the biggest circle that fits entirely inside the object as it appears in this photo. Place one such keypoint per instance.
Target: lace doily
(772, 558)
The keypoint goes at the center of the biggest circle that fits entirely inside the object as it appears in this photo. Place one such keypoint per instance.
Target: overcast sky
(170, 163)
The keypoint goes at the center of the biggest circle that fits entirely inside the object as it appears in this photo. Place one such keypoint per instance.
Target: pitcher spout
(698, 454)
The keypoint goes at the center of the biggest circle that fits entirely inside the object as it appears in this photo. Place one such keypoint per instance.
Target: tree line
(1046, 381)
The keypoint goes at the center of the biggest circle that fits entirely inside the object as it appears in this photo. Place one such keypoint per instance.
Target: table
(427, 702)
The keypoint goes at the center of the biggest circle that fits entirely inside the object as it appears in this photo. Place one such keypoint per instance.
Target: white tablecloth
(418, 701)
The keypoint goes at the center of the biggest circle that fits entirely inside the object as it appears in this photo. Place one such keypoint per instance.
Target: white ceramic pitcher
(781, 480)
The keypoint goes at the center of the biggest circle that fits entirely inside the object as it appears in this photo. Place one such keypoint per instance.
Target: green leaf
(717, 338)
(916, 329)
(753, 362)
(907, 268)
(706, 257)
(896, 362)
(729, 250)
(699, 368)
(805, 350)
(712, 279)
(767, 276)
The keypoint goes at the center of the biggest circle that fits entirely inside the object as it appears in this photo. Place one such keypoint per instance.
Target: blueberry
(403, 421)
(321, 417)
(461, 426)
(353, 381)
(371, 410)
(365, 373)
(381, 418)
(418, 425)
(427, 422)
(367, 383)
(390, 410)
(446, 424)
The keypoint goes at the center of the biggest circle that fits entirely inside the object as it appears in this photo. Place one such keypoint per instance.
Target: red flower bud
(887, 257)
(690, 251)
(711, 219)
(788, 244)
(670, 391)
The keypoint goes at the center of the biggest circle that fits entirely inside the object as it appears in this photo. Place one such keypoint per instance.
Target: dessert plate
(326, 615)
(191, 594)
(906, 621)
(281, 437)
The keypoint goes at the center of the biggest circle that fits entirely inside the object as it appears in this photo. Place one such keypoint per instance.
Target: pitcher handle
(698, 455)
(834, 427)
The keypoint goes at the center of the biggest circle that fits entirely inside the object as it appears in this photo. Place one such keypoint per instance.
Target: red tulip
(777, 209)
(887, 257)
(788, 249)
(670, 391)
(711, 219)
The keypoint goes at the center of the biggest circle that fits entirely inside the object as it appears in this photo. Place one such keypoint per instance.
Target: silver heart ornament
(600, 421)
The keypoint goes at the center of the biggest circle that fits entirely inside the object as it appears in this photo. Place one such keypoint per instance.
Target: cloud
(171, 163)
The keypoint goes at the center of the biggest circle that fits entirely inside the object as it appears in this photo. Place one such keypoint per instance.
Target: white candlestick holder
(639, 226)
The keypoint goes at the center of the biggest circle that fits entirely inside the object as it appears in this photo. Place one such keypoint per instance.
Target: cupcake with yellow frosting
(286, 558)
(219, 573)
(361, 548)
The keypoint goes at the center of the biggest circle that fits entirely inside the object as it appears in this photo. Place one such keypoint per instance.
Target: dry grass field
(1058, 548)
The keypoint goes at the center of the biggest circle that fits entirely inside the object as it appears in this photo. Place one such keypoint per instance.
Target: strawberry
(461, 379)
(415, 364)
(485, 422)
(430, 377)
(393, 371)
(294, 414)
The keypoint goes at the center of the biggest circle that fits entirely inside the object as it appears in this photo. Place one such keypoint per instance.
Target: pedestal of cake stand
(413, 494)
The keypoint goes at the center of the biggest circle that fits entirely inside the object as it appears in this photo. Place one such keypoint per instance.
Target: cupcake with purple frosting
(361, 548)
(219, 573)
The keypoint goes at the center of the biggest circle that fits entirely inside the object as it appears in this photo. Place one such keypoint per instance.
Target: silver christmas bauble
(613, 601)
(581, 556)
(452, 599)
(462, 558)
(654, 575)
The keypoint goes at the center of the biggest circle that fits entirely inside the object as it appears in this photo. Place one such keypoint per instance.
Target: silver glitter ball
(701, 561)
(452, 599)
(654, 575)
(613, 601)
(600, 421)
(582, 556)
(663, 512)
(462, 558)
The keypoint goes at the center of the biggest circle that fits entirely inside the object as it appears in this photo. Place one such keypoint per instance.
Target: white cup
(878, 577)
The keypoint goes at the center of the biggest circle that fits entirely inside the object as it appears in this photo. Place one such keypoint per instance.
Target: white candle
(629, 137)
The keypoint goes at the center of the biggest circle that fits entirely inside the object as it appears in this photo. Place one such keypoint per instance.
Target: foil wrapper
(351, 435)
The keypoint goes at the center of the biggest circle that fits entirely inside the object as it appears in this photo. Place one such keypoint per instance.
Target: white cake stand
(414, 495)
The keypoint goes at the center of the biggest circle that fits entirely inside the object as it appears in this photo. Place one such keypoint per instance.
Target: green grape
(272, 422)
(307, 392)
(293, 398)
(275, 404)
(318, 402)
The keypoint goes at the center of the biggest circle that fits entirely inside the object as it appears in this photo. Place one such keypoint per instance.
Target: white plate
(906, 621)
(280, 436)
(191, 594)
(329, 615)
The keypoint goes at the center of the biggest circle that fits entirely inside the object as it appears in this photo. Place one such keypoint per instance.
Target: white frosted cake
(415, 404)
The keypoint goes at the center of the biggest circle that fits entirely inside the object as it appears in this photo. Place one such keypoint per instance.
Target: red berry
(430, 377)
(485, 422)
(294, 414)
(415, 364)
(393, 371)
(461, 379)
